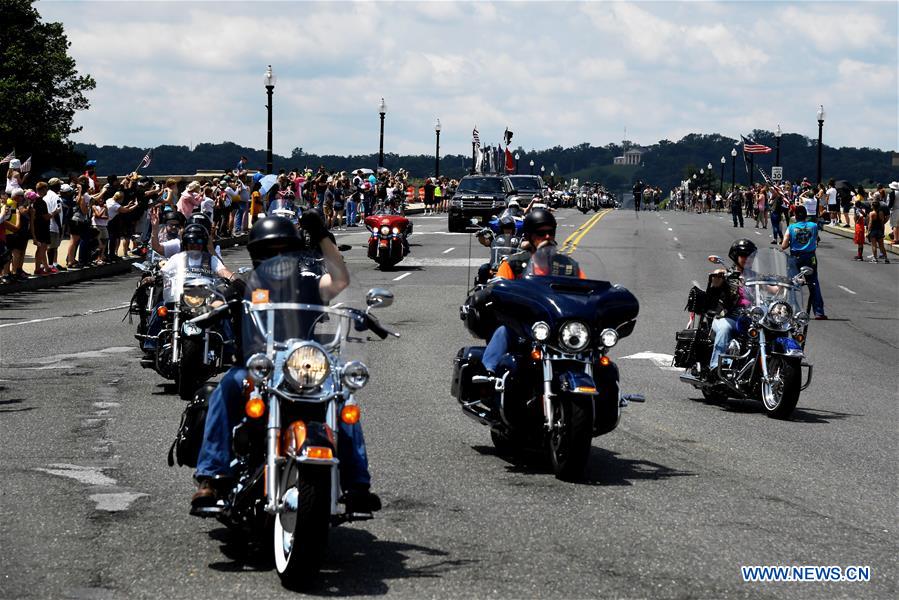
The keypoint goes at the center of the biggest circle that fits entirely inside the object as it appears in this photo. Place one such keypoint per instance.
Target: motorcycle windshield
(549, 262)
(185, 270)
(291, 278)
(512, 212)
(769, 277)
(502, 247)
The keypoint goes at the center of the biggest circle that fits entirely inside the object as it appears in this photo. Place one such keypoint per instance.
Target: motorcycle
(147, 293)
(583, 203)
(185, 352)
(556, 388)
(501, 247)
(387, 245)
(766, 356)
(286, 482)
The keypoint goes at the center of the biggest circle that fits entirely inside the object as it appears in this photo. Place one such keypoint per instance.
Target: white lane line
(758, 233)
(448, 250)
(675, 239)
(666, 222)
(669, 229)
(845, 289)
(87, 475)
(680, 256)
(403, 276)
(84, 314)
(115, 501)
(29, 322)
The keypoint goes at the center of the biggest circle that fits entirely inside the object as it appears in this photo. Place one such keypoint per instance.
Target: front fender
(788, 347)
(574, 382)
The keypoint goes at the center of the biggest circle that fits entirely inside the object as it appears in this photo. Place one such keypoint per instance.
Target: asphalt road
(675, 501)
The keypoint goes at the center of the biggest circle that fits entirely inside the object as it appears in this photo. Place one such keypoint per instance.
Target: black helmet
(537, 218)
(743, 247)
(173, 215)
(271, 236)
(195, 234)
(199, 218)
(506, 221)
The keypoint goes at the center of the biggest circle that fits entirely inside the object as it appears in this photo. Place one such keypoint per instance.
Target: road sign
(777, 173)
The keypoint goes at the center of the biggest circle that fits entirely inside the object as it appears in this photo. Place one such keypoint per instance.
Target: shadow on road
(357, 563)
(5, 403)
(800, 415)
(604, 467)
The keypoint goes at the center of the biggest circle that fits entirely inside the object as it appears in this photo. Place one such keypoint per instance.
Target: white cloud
(837, 27)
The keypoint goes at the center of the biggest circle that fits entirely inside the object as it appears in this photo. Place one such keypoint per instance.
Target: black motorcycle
(556, 389)
(147, 294)
(766, 356)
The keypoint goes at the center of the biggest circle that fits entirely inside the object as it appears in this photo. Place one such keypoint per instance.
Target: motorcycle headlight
(259, 366)
(395, 230)
(306, 367)
(608, 337)
(191, 329)
(540, 331)
(757, 314)
(355, 375)
(193, 300)
(802, 318)
(574, 336)
(779, 314)
(385, 230)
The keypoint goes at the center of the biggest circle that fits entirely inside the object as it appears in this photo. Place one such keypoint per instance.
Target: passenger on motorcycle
(734, 297)
(273, 236)
(173, 221)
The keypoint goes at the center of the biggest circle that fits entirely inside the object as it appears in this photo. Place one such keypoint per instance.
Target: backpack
(185, 450)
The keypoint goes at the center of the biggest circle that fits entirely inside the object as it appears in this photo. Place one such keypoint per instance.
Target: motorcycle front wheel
(190, 368)
(301, 528)
(781, 395)
(570, 439)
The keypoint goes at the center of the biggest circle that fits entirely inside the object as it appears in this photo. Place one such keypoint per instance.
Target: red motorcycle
(387, 245)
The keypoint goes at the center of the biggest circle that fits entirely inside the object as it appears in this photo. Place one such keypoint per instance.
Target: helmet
(513, 202)
(195, 234)
(507, 221)
(743, 247)
(537, 218)
(271, 236)
(173, 215)
(200, 219)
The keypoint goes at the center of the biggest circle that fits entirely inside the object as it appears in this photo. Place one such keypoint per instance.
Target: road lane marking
(675, 239)
(669, 229)
(571, 237)
(86, 475)
(845, 289)
(403, 276)
(663, 361)
(448, 250)
(29, 322)
(758, 233)
(576, 237)
(680, 256)
(115, 501)
(84, 314)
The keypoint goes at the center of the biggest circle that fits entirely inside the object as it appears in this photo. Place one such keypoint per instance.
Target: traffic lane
(737, 429)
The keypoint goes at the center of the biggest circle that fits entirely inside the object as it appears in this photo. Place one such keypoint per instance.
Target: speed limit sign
(777, 173)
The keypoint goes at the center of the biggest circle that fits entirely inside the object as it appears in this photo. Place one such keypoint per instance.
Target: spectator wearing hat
(190, 199)
(40, 227)
(55, 208)
(117, 211)
(90, 172)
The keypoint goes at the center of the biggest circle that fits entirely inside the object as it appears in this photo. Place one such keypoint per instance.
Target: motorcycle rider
(730, 283)
(506, 237)
(270, 237)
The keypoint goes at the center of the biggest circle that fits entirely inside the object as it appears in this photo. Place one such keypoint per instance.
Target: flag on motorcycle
(475, 138)
(26, 166)
(148, 158)
(751, 147)
(8, 157)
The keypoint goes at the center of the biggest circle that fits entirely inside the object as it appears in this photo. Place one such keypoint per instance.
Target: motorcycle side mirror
(344, 247)
(806, 271)
(244, 270)
(715, 259)
(379, 298)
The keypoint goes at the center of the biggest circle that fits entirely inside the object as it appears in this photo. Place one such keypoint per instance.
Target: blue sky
(555, 73)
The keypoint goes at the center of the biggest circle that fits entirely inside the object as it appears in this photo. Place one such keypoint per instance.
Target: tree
(40, 88)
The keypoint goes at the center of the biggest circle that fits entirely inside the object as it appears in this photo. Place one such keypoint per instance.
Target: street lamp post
(382, 110)
(552, 178)
(711, 176)
(269, 90)
(532, 166)
(542, 170)
(733, 169)
(517, 156)
(820, 149)
(777, 135)
(437, 163)
(721, 181)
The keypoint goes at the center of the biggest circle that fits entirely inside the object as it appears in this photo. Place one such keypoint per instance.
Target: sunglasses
(545, 232)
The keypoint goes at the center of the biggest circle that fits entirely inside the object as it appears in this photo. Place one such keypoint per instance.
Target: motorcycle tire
(569, 441)
(504, 446)
(298, 564)
(192, 357)
(785, 390)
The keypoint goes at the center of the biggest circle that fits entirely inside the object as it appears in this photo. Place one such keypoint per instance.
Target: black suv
(481, 196)
(524, 187)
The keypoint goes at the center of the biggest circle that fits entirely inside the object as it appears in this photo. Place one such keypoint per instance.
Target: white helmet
(514, 202)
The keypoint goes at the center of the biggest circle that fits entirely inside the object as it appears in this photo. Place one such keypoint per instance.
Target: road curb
(850, 233)
(97, 272)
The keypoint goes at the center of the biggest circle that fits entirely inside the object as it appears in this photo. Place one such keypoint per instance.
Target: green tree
(40, 88)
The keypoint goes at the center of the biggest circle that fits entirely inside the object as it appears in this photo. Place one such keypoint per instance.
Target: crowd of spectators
(107, 220)
(872, 214)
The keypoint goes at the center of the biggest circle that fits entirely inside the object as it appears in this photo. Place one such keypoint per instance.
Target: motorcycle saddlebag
(186, 448)
(697, 300)
(684, 355)
(466, 364)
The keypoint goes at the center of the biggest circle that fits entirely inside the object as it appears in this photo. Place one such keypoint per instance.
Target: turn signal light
(255, 407)
(293, 438)
(800, 338)
(585, 389)
(350, 414)
(319, 452)
(162, 312)
(753, 333)
(605, 361)
(536, 354)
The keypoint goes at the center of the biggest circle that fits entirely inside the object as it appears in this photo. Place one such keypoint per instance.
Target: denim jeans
(497, 347)
(351, 212)
(225, 412)
(724, 332)
(737, 215)
(812, 280)
(775, 227)
(239, 212)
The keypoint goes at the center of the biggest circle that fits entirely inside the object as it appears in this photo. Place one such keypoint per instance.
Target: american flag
(148, 158)
(750, 147)
(475, 138)
(26, 166)
(12, 155)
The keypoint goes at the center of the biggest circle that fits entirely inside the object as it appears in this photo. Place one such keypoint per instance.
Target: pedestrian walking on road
(736, 206)
(802, 240)
(778, 209)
